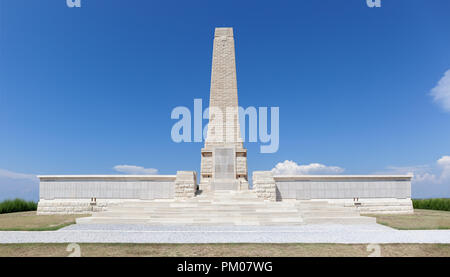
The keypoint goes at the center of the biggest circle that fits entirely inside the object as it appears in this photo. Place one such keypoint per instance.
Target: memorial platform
(224, 208)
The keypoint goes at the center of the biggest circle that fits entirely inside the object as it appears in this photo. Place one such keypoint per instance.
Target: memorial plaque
(224, 164)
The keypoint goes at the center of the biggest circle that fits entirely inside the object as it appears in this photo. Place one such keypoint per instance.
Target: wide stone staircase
(225, 208)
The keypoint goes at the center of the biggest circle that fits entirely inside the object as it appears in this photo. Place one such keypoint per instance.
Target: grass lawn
(420, 220)
(29, 221)
(225, 250)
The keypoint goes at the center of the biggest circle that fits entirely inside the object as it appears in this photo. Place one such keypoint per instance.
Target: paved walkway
(320, 233)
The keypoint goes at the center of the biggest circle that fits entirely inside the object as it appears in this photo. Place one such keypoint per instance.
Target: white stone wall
(107, 187)
(378, 205)
(185, 185)
(72, 206)
(207, 163)
(370, 194)
(264, 184)
(73, 194)
(241, 165)
(343, 187)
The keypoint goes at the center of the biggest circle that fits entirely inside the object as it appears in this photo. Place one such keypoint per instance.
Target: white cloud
(14, 175)
(425, 173)
(428, 181)
(444, 163)
(422, 173)
(292, 168)
(133, 169)
(441, 92)
(18, 185)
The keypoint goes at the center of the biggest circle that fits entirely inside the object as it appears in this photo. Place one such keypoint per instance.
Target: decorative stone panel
(264, 184)
(185, 184)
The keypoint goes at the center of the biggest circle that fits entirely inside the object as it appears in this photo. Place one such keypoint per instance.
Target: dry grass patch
(30, 221)
(225, 250)
(420, 220)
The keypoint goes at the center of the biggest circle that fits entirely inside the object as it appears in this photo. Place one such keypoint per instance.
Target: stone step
(223, 216)
(183, 221)
(383, 204)
(329, 214)
(207, 205)
(340, 220)
(226, 208)
(277, 212)
(312, 203)
(187, 204)
(188, 224)
(209, 213)
(213, 218)
(210, 209)
(386, 209)
(192, 203)
(328, 207)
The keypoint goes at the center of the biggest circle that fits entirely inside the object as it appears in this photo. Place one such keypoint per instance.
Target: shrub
(17, 205)
(441, 204)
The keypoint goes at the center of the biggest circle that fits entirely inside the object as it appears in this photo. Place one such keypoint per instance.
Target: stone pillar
(185, 184)
(265, 186)
(223, 127)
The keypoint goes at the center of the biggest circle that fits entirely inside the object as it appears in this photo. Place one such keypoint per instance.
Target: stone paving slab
(321, 233)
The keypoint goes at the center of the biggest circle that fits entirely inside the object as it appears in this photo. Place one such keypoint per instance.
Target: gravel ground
(321, 233)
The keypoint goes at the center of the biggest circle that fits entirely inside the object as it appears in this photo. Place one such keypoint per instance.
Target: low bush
(441, 204)
(17, 205)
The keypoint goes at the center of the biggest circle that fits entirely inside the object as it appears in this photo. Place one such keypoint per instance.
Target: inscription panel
(305, 190)
(145, 190)
(224, 164)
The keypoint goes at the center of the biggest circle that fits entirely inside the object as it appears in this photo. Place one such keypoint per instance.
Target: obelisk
(224, 159)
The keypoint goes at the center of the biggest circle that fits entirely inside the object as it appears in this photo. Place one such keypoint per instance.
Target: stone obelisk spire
(223, 128)
(224, 160)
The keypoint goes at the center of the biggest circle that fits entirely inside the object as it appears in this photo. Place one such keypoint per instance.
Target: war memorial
(221, 194)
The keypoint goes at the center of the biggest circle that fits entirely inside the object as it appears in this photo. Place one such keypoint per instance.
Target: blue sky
(83, 90)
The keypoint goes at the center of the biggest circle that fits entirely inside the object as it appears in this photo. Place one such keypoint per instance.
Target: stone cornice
(342, 177)
(108, 177)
